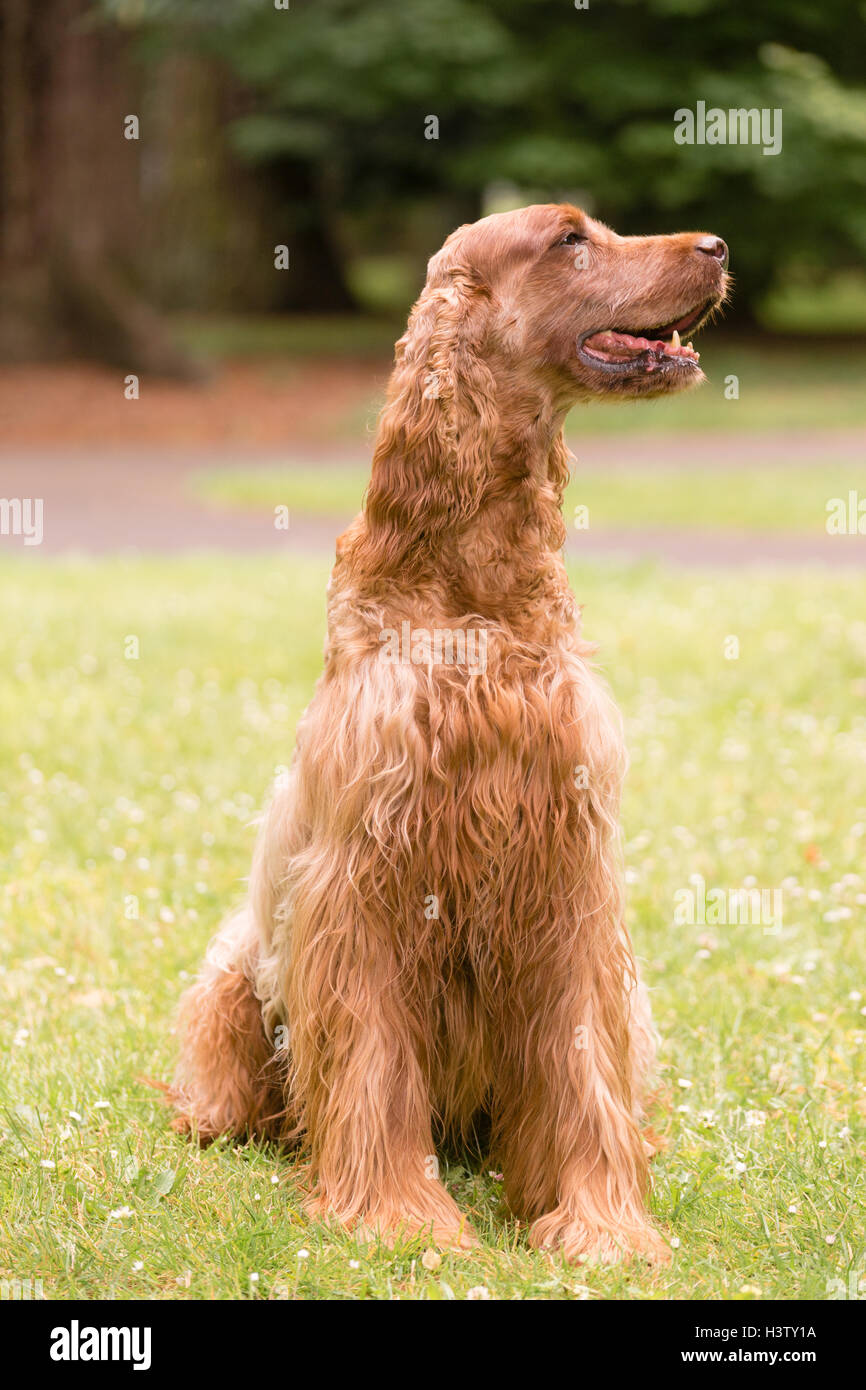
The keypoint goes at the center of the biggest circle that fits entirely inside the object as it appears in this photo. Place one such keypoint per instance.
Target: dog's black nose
(713, 246)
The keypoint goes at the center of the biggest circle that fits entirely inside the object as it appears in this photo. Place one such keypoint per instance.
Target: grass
(752, 499)
(745, 499)
(288, 335)
(335, 490)
(838, 305)
(128, 786)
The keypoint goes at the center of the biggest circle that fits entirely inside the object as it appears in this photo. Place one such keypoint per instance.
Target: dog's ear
(437, 430)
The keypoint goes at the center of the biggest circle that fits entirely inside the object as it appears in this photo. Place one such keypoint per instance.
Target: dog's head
(524, 313)
(600, 314)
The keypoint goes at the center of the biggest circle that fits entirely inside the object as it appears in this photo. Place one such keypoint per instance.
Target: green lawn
(759, 499)
(288, 335)
(129, 786)
(335, 490)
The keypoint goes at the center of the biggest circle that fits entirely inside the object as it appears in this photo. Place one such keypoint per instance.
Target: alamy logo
(736, 126)
(20, 1290)
(22, 516)
(718, 907)
(442, 646)
(76, 1343)
(846, 516)
(855, 1289)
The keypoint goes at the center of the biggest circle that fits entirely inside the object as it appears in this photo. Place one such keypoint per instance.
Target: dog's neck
(492, 549)
(505, 558)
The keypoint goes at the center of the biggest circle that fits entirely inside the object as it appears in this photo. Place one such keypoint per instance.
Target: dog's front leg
(573, 1158)
(356, 1048)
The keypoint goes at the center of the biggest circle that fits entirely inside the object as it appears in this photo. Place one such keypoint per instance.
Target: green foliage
(561, 100)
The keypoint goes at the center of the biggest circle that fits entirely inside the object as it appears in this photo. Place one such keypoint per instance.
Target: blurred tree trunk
(69, 193)
(315, 282)
(97, 229)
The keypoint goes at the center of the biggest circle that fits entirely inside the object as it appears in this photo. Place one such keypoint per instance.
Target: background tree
(559, 100)
(69, 192)
(306, 126)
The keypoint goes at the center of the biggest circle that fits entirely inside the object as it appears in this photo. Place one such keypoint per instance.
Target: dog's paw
(581, 1243)
(463, 1238)
(445, 1226)
(444, 1236)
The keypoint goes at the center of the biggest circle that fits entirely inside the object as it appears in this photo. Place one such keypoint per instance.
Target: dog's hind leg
(229, 1079)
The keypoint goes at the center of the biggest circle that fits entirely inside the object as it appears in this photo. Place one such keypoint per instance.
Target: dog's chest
(518, 765)
(527, 719)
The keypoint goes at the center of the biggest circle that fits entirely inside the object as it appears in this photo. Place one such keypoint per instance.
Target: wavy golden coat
(435, 921)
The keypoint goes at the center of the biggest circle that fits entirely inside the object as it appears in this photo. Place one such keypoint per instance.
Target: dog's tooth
(675, 340)
(690, 347)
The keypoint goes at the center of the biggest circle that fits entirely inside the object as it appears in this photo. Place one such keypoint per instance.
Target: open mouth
(651, 348)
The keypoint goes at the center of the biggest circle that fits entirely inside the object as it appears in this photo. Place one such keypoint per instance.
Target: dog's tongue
(617, 347)
(622, 347)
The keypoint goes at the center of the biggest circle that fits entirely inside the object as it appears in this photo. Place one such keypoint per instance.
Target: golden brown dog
(435, 924)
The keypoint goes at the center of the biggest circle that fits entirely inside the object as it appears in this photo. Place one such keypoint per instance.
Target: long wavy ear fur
(437, 431)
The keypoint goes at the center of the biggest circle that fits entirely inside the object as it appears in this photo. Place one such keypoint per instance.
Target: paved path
(111, 502)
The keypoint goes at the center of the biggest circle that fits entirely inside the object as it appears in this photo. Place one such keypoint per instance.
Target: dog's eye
(572, 239)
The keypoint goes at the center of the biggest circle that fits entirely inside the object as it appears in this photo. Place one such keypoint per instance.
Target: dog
(434, 937)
